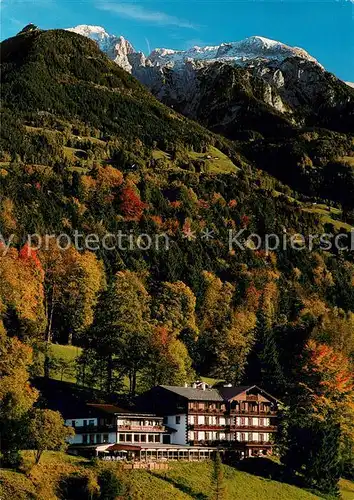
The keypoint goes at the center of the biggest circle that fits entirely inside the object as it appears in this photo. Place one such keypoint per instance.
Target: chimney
(186, 385)
(203, 385)
(194, 385)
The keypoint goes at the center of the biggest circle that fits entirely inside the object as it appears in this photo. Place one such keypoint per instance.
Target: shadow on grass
(182, 487)
(268, 469)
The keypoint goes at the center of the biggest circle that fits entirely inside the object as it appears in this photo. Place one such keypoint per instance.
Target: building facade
(238, 417)
(109, 424)
(171, 419)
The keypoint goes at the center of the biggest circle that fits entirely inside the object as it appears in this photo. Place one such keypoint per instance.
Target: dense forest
(87, 152)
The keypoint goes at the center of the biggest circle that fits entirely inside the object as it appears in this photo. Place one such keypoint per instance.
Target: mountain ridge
(284, 80)
(239, 52)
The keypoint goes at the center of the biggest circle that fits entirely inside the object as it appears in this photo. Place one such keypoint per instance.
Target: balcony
(265, 428)
(264, 413)
(257, 443)
(208, 443)
(142, 428)
(207, 411)
(208, 427)
(86, 429)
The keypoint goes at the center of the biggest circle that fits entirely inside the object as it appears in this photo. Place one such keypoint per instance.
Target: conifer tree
(218, 478)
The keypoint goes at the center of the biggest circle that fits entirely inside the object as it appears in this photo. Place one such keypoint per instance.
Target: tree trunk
(38, 456)
(50, 316)
(47, 361)
(109, 373)
(49, 333)
(133, 384)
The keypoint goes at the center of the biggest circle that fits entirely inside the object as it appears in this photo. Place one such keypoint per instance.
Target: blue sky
(324, 28)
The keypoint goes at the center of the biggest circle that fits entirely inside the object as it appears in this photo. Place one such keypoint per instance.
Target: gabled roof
(107, 408)
(194, 394)
(229, 393)
(116, 410)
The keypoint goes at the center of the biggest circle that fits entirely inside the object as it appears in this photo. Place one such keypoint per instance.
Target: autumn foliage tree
(17, 396)
(226, 332)
(73, 281)
(131, 205)
(47, 431)
(168, 361)
(320, 412)
(22, 292)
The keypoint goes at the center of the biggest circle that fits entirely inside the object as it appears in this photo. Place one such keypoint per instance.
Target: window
(129, 438)
(136, 438)
(73, 423)
(92, 438)
(143, 438)
(157, 438)
(151, 438)
(249, 436)
(121, 438)
(243, 436)
(261, 438)
(178, 419)
(85, 423)
(165, 420)
(91, 423)
(243, 421)
(105, 438)
(98, 438)
(84, 439)
(261, 422)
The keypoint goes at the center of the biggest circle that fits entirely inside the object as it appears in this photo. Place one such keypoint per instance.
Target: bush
(110, 485)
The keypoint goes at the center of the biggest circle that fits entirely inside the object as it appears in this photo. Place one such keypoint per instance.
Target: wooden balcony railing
(266, 428)
(86, 429)
(230, 444)
(235, 411)
(142, 428)
(259, 443)
(207, 411)
(208, 427)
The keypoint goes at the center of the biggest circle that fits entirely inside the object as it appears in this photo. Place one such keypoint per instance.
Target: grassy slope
(182, 481)
(217, 164)
(347, 489)
(69, 353)
(196, 480)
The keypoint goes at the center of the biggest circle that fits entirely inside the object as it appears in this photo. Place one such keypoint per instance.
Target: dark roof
(229, 393)
(191, 393)
(217, 394)
(116, 410)
(107, 408)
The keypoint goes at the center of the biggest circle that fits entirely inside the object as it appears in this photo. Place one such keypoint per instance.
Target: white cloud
(139, 13)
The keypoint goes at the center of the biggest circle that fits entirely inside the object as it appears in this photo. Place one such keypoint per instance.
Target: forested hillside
(86, 151)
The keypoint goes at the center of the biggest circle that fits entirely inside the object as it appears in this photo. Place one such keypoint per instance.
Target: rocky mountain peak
(117, 48)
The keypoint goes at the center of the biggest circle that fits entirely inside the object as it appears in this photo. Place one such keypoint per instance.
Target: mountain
(116, 48)
(287, 85)
(60, 79)
(250, 49)
(56, 75)
(179, 224)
